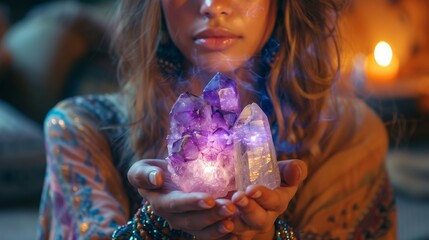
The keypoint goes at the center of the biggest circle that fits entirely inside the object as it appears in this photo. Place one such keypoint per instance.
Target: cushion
(22, 156)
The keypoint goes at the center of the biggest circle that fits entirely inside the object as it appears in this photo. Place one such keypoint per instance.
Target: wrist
(283, 230)
(266, 234)
(146, 225)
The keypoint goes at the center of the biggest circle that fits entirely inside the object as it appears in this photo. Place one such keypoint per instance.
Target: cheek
(179, 34)
(261, 16)
(258, 34)
(173, 3)
(177, 18)
(254, 10)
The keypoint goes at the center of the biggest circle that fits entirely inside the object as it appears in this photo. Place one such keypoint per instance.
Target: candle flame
(383, 54)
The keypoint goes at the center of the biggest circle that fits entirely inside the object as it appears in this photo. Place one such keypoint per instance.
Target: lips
(215, 39)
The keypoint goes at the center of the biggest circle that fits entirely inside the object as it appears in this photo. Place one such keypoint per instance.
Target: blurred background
(51, 50)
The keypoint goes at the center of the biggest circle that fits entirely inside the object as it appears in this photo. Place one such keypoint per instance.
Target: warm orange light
(383, 54)
(382, 65)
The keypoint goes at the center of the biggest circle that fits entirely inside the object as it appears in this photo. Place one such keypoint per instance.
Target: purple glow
(202, 145)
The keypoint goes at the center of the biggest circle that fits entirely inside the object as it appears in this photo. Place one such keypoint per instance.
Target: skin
(241, 215)
(247, 215)
(233, 16)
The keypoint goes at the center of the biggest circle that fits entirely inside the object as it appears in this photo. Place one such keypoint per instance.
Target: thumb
(147, 173)
(292, 172)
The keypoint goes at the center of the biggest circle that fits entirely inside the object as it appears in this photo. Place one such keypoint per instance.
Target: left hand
(258, 207)
(196, 213)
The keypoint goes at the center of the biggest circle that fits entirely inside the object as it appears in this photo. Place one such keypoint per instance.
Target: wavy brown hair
(299, 83)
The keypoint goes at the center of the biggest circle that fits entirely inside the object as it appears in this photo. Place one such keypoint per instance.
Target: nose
(215, 8)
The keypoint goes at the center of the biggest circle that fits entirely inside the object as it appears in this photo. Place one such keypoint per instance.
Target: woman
(284, 56)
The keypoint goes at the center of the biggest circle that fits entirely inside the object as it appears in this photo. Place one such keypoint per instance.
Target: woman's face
(219, 35)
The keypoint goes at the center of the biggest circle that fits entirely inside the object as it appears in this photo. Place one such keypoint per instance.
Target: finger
(292, 172)
(147, 174)
(177, 201)
(198, 220)
(215, 231)
(251, 213)
(266, 198)
(271, 200)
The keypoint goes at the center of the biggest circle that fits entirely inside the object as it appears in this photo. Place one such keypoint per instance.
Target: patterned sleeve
(348, 195)
(83, 197)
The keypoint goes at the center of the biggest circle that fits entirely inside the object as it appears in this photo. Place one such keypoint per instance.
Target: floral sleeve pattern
(82, 196)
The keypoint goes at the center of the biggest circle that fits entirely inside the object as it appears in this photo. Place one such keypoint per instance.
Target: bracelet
(145, 225)
(283, 231)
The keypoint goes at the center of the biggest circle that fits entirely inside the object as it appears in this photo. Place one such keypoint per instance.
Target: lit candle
(382, 65)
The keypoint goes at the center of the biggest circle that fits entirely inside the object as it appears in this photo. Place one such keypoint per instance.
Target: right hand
(196, 213)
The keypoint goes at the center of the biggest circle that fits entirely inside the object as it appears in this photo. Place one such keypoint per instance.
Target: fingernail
(226, 211)
(225, 227)
(206, 203)
(243, 202)
(299, 175)
(152, 177)
(231, 207)
(257, 194)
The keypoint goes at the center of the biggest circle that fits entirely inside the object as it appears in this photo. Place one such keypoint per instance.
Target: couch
(58, 50)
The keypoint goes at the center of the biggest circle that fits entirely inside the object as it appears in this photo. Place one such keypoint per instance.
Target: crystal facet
(207, 138)
(255, 155)
(221, 92)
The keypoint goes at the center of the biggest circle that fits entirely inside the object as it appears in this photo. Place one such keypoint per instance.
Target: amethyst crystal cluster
(215, 149)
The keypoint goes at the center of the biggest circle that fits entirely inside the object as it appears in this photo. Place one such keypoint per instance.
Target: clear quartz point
(254, 152)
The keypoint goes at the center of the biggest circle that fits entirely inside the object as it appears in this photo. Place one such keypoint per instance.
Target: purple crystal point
(221, 92)
(190, 112)
(187, 148)
(222, 139)
(230, 119)
(255, 155)
(218, 121)
(200, 146)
